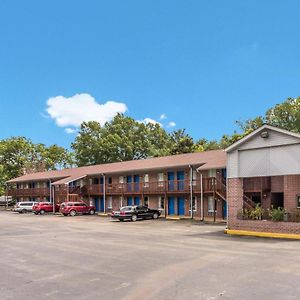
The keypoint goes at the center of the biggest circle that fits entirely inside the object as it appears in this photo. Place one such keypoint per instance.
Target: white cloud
(163, 116)
(149, 120)
(70, 130)
(72, 111)
(171, 124)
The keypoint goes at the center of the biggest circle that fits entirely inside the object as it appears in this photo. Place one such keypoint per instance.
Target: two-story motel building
(262, 169)
(172, 184)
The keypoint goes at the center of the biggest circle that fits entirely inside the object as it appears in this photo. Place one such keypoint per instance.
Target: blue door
(136, 200)
(180, 180)
(101, 204)
(96, 200)
(129, 183)
(136, 180)
(171, 177)
(171, 206)
(129, 201)
(180, 206)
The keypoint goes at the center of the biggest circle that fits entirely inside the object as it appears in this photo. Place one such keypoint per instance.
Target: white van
(24, 207)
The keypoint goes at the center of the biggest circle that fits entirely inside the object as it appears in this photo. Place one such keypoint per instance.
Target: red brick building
(172, 184)
(263, 172)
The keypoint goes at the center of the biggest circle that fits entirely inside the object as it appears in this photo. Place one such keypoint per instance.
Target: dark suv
(75, 208)
(135, 212)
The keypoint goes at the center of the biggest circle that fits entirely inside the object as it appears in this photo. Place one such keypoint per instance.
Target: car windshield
(126, 208)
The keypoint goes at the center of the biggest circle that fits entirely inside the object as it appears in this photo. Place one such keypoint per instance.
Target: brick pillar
(291, 188)
(235, 199)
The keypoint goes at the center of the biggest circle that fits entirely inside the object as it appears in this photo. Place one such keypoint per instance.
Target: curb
(263, 234)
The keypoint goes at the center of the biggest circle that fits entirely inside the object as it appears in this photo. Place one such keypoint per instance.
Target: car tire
(121, 220)
(72, 213)
(23, 211)
(155, 216)
(134, 218)
(92, 212)
(42, 212)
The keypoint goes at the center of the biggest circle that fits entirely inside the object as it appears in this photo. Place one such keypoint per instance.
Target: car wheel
(121, 220)
(155, 216)
(24, 211)
(73, 213)
(134, 218)
(42, 212)
(92, 212)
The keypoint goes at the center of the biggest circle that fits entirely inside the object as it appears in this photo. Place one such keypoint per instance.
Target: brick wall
(277, 184)
(291, 188)
(235, 200)
(291, 185)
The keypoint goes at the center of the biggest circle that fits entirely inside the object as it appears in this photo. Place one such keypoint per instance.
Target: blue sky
(204, 64)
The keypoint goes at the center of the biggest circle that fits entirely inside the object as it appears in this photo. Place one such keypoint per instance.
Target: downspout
(104, 192)
(201, 199)
(191, 191)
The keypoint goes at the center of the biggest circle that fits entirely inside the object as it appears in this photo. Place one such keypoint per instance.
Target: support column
(104, 193)
(201, 199)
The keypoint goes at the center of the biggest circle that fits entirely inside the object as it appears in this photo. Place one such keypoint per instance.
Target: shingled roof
(214, 159)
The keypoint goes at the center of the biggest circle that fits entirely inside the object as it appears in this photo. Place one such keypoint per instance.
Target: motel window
(194, 203)
(95, 180)
(160, 178)
(194, 177)
(161, 202)
(211, 204)
(146, 180)
(146, 201)
(109, 202)
(212, 173)
(298, 201)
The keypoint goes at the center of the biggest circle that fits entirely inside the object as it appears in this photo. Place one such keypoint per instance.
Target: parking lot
(91, 257)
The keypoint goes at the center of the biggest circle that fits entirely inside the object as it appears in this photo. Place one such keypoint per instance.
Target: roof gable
(276, 137)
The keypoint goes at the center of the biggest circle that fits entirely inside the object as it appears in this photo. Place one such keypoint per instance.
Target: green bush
(256, 213)
(277, 214)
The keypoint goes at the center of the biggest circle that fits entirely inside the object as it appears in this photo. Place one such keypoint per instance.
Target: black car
(135, 212)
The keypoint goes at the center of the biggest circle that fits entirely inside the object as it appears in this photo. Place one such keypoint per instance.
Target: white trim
(250, 135)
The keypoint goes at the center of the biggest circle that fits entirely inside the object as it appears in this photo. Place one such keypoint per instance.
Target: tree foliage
(121, 139)
(19, 156)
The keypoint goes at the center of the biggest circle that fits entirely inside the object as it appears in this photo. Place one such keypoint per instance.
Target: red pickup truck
(44, 207)
(75, 208)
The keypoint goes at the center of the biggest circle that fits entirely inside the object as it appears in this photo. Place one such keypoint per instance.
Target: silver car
(24, 207)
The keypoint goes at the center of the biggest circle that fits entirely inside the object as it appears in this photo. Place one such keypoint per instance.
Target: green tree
(285, 115)
(121, 139)
(19, 155)
(181, 142)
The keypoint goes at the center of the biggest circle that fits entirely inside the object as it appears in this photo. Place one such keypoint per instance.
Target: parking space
(91, 257)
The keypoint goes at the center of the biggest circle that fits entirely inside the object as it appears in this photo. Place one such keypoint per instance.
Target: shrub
(277, 214)
(256, 213)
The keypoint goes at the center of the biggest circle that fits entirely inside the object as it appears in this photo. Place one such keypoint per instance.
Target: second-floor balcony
(207, 185)
(29, 192)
